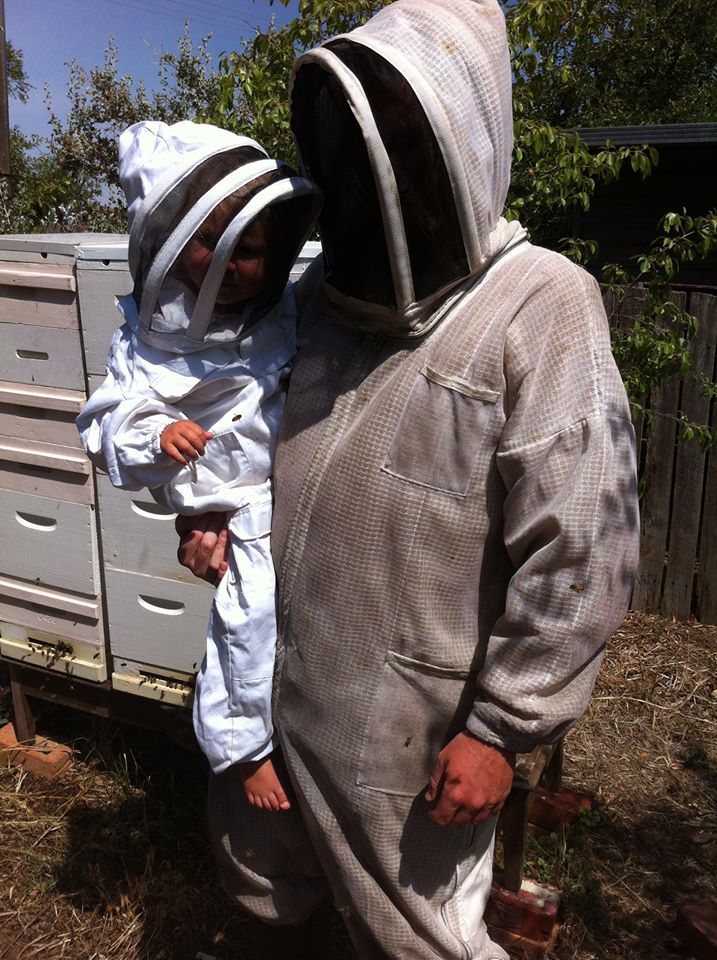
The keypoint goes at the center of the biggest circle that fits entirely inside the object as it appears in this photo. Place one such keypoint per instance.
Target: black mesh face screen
(287, 222)
(182, 198)
(433, 232)
(335, 157)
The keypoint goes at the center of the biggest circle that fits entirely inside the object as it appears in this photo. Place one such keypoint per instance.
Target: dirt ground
(110, 861)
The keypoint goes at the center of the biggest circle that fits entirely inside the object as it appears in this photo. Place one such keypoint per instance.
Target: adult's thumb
(435, 781)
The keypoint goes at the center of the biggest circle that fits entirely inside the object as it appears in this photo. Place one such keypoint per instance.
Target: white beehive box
(50, 585)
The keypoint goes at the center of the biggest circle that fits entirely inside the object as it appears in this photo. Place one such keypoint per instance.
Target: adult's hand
(203, 544)
(469, 782)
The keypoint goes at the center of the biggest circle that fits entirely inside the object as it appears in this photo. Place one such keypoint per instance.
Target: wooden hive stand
(523, 916)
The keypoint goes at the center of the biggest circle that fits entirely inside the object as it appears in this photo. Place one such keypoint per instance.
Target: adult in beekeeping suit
(456, 522)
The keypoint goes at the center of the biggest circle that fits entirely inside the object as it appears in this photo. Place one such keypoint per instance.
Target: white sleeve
(121, 423)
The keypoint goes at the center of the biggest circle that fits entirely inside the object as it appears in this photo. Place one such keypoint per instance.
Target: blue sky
(52, 32)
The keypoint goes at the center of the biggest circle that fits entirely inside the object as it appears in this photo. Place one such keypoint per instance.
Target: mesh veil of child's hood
(174, 176)
(406, 125)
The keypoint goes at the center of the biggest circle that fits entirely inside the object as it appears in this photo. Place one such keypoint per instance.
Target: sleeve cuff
(511, 740)
(154, 444)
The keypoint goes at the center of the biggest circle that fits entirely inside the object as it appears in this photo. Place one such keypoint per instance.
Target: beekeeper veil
(406, 125)
(175, 177)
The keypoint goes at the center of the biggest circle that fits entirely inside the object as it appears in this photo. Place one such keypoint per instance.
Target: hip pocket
(419, 707)
(443, 427)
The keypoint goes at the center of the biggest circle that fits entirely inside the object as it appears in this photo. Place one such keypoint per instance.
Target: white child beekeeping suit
(456, 519)
(179, 357)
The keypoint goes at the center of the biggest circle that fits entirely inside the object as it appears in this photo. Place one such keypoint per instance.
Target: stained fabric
(406, 124)
(456, 534)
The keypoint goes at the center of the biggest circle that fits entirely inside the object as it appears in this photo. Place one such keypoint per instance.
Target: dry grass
(110, 862)
(647, 750)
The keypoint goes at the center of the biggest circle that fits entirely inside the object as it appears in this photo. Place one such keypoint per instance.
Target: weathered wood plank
(50, 455)
(48, 542)
(690, 469)
(98, 291)
(48, 275)
(25, 728)
(157, 622)
(49, 398)
(44, 481)
(42, 425)
(707, 561)
(622, 317)
(138, 535)
(28, 613)
(655, 508)
(45, 356)
(38, 308)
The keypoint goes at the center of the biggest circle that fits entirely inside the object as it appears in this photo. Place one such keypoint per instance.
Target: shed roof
(653, 134)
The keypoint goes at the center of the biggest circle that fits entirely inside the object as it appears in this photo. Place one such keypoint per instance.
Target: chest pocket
(225, 463)
(442, 430)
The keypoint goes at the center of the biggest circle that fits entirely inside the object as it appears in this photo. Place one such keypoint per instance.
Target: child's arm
(122, 423)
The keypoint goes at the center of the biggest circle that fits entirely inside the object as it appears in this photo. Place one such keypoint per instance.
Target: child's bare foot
(262, 786)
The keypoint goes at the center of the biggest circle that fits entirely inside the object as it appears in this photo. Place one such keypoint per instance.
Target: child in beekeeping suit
(195, 391)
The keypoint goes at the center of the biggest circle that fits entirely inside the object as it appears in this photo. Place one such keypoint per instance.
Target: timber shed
(624, 216)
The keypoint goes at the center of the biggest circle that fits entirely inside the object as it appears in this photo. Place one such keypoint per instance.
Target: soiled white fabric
(237, 393)
(454, 58)
(456, 524)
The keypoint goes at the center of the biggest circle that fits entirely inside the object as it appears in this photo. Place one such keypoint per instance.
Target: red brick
(696, 928)
(44, 758)
(521, 948)
(531, 913)
(549, 811)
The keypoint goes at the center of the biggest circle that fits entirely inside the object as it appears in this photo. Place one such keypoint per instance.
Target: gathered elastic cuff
(154, 444)
(497, 735)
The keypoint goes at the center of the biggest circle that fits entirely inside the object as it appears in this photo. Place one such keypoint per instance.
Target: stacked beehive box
(89, 581)
(50, 587)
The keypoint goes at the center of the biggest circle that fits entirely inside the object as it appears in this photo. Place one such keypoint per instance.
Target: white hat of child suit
(152, 152)
(157, 163)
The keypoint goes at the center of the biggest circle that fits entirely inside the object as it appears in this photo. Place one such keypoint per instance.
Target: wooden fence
(678, 551)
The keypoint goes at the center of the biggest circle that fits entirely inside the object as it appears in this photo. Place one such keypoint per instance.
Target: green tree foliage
(616, 62)
(34, 187)
(18, 83)
(575, 63)
(255, 80)
(69, 181)
(621, 62)
(103, 103)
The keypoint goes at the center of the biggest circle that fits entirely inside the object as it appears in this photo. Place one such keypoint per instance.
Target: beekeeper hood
(406, 125)
(174, 178)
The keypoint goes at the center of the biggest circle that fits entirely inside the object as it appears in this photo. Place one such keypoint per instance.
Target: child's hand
(183, 439)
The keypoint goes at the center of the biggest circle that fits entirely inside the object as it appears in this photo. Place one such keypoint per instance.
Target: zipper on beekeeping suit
(360, 365)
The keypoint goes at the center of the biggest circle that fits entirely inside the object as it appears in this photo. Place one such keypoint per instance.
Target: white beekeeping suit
(456, 522)
(178, 356)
